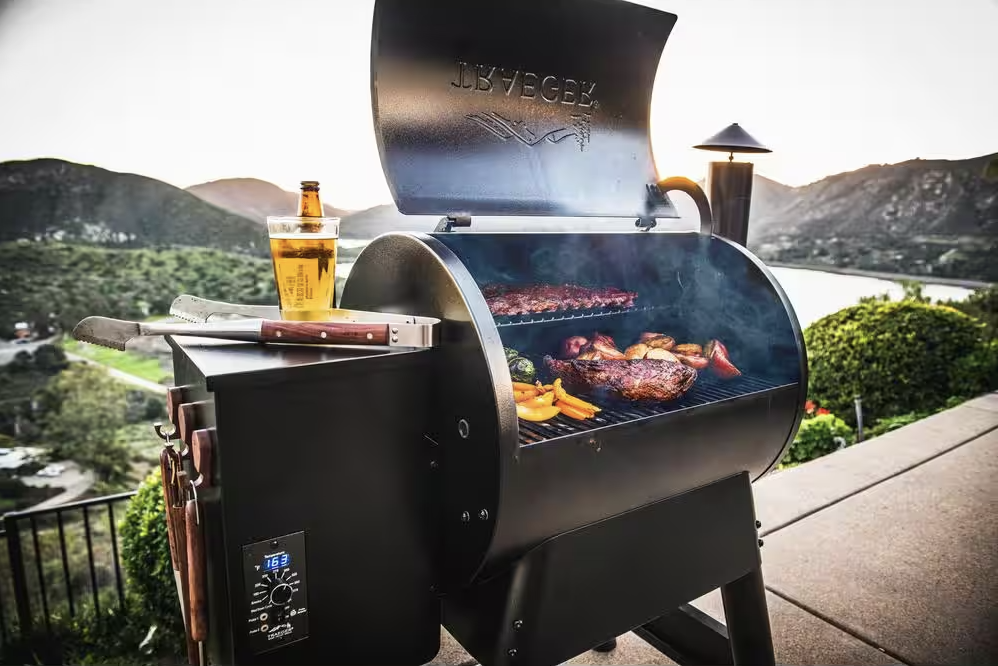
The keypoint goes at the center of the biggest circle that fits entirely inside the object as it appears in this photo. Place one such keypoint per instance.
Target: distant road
(8, 350)
(74, 481)
(927, 279)
(122, 376)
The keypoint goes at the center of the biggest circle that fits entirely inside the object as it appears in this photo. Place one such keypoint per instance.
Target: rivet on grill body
(518, 624)
(758, 524)
(278, 334)
(370, 336)
(483, 514)
(463, 429)
(511, 652)
(395, 331)
(760, 543)
(322, 335)
(596, 445)
(465, 516)
(434, 464)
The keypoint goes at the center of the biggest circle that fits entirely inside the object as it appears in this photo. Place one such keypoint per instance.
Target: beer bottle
(309, 204)
(304, 253)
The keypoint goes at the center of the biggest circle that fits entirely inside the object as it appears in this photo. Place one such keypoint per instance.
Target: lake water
(816, 294)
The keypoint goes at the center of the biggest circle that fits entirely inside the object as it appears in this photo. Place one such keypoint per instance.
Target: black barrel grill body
(508, 483)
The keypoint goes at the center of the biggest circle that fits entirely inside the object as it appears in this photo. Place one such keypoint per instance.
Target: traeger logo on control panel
(550, 89)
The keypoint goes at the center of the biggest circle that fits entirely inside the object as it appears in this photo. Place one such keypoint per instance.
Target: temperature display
(276, 562)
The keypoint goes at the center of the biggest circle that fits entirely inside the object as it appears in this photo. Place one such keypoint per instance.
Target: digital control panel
(276, 598)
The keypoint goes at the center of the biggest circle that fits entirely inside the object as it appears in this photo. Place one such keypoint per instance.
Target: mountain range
(253, 198)
(918, 217)
(52, 199)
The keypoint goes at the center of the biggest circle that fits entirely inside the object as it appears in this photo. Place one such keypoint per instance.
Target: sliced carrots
(540, 402)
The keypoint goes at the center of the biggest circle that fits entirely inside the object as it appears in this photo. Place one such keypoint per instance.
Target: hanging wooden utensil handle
(179, 514)
(202, 443)
(334, 333)
(196, 574)
(166, 474)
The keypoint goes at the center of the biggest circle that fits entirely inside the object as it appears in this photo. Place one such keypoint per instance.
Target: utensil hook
(158, 427)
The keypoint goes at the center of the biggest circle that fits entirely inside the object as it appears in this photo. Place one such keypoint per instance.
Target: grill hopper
(509, 484)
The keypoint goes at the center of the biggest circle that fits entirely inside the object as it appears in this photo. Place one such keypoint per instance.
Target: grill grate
(545, 317)
(705, 391)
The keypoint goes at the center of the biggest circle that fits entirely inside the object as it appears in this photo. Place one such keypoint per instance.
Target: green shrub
(819, 436)
(977, 372)
(145, 553)
(983, 306)
(110, 637)
(900, 357)
(894, 422)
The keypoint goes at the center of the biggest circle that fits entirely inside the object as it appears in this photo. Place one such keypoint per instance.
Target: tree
(50, 360)
(991, 169)
(88, 410)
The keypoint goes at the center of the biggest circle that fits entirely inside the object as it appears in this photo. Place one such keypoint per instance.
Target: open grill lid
(481, 109)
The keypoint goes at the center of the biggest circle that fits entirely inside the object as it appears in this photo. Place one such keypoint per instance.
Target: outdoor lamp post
(729, 184)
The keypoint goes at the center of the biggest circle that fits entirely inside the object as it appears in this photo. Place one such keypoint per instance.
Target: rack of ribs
(530, 299)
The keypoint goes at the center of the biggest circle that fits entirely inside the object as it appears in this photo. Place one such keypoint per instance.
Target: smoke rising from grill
(689, 287)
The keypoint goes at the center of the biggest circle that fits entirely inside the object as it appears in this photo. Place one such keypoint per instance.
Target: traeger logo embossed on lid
(527, 85)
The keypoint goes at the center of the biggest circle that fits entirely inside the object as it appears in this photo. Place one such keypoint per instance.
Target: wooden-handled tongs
(185, 533)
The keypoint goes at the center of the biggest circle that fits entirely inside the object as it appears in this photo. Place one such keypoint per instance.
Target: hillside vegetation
(50, 199)
(920, 217)
(59, 284)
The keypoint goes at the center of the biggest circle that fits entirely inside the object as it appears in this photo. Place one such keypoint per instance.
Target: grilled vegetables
(536, 413)
(541, 402)
(521, 369)
(720, 362)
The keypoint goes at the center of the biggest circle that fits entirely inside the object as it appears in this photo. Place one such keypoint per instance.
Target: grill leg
(747, 618)
(609, 646)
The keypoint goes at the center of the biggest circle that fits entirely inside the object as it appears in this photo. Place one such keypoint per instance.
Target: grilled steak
(530, 299)
(645, 379)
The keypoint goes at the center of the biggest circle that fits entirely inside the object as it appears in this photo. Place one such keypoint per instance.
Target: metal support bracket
(646, 223)
(447, 224)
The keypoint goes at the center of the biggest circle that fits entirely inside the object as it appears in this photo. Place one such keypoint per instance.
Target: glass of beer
(304, 254)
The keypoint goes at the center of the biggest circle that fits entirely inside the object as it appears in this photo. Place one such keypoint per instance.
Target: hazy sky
(194, 90)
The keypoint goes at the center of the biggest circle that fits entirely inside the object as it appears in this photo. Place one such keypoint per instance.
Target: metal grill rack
(544, 318)
(705, 391)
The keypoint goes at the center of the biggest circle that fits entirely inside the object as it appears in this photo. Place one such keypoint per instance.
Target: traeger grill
(355, 499)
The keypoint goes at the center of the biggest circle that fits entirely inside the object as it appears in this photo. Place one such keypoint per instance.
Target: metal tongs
(263, 324)
(411, 330)
(200, 310)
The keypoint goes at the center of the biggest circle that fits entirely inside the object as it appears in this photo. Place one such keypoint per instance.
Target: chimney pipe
(729, 184)
(729, 188)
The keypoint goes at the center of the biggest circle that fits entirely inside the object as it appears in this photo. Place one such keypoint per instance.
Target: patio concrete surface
(882, 553)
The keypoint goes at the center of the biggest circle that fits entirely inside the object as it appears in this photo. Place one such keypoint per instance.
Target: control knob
(281, 594)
